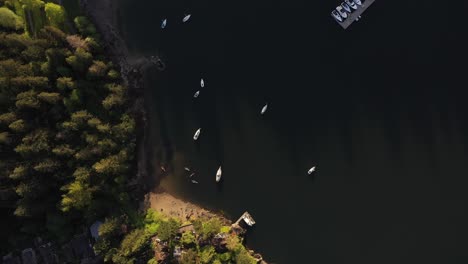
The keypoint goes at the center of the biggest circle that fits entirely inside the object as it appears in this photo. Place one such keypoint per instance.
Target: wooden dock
(356, 14)
(248, 219)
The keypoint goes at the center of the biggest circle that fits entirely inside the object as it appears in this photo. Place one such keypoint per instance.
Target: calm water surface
(380, 108)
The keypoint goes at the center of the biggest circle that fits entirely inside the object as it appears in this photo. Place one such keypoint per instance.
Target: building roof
(94, 229)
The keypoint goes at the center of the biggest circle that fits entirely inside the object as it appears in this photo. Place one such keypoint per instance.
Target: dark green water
(380, 108)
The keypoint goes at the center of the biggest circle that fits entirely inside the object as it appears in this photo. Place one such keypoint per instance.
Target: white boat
(191, 174)
(358, 2)
(196, 94)
(342, 12)
(264, 109)
(218, 174)
(197, 134)
(346, 7)
(351, 3)
(311, 170)
(336, 16)
(194, 181)
(202, 83)
(164, 23)
(186, 169)
(186, 18)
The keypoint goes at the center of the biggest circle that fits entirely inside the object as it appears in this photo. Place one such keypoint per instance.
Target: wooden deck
(354, 15)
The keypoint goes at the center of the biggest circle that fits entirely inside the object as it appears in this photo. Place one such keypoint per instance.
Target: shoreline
(134, 72)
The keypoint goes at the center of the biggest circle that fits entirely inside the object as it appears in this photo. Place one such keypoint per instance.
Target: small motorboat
(191, 174)
(186, 18)
(196, 94)
(202, 83)
(194, 181)
(218, 174)
(351, 3)
(311, 170)
(358, 2)
(164, 23)
(346, 7)
(187, 169)
(342, 12)
(197, 134)
(336, 16)
(265, 107)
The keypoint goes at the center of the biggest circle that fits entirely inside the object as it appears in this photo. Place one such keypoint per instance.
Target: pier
(354, 16)
(248, 219)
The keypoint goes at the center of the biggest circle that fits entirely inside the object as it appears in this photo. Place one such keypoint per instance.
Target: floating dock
(354, 16)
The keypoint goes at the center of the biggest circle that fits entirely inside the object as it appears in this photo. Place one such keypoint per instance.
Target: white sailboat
(202, 83)
(164, 23)
(197, 134)
(196, 94)
(311, 170)
(186, 18)
(264, 109)
(218, 174)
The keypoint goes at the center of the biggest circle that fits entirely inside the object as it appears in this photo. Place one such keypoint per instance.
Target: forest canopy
(67, 137)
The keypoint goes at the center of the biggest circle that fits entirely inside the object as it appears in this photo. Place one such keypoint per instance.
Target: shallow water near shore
(378, 108)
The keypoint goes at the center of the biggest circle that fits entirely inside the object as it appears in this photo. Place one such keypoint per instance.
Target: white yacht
(164, 23)
(191, 174)
(194, 181)
(186, 18)
(202, 83)
(358, 2)
(346, 7)
(218, 174)
(311, 170)
(342, 12)
(197, 134)
(264, 109)
(196, 94)
(351, 4)
(187, 169)
(336, 16)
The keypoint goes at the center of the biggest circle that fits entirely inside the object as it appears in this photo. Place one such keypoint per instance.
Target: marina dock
(356, 14)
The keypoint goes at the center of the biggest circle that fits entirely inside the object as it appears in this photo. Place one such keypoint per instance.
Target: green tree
(97, 70)
(207, 253)
(211, 227)
(136, 243)
(51, 98)
(9, 20)
(18, 126)
(80, 61)
(78, 196)
(27, 100)
(55, 15)
(7, 118)
(188, 238)
(245, 258)
(189, 257)
(168, 229)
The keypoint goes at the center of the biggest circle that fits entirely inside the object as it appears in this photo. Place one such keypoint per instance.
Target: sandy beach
(171, 206)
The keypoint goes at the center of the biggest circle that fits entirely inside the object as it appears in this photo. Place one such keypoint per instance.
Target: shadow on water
(378, 108)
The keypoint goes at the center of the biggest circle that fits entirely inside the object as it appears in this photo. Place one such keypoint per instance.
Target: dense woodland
(67, 140)
(67, 143)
